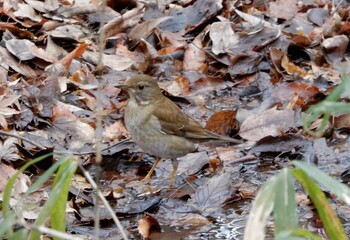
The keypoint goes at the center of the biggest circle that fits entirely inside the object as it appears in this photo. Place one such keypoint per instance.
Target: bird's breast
(145, 130)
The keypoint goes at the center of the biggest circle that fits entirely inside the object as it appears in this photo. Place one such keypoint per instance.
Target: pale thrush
(158, 125)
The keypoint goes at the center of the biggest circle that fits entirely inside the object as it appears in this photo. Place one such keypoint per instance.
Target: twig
(52, 232)
(98, 160)
(94, 152)
(22, 138)
(244, 159)
(59, 152)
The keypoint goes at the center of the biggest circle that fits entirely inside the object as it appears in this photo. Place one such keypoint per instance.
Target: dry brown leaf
(276, 58)
(8, 149)
(116, 130)
(342, 121)
(192, 162)
(147, 224)
(195, 57)
(211, 195)
(297, 93)
(26, 11)
(80, 182)
(268, 123)
(6, 109)
(222, 122)
(246, 63)
(76, 53)
(54, 49)
(284, 9)
(222, 36)
(180, 85)
(10, 61)
(144, 29)
(21, 184)
(317, 15)
(334, 48)
(61, 110)
(21, 48)
(73, 134)
(112, 61)
(227, 153)
(73, 31)
(291, 68)
(121, 23)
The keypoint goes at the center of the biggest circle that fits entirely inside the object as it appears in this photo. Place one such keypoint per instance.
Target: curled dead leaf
(147, 224)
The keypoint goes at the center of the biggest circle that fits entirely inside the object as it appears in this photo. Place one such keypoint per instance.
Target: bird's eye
(141, 86)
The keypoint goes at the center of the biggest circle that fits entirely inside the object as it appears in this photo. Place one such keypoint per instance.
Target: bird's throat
(137, 100)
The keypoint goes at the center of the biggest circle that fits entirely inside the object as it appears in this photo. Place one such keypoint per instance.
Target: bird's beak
(122, 86)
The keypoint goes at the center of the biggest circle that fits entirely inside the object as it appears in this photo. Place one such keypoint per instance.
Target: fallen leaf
(268, 123)
(22, 182)
(195, 57)
(146, 224)
(9, 60)
(342, 121)
(222, 36)
(227, 153)
(284, 9)
(214, 192)
(8, 150)
(292, 68)
(222, 122)
(116, 130)
(335, 47)
(281, 144)
(26, 11)
(317, 15)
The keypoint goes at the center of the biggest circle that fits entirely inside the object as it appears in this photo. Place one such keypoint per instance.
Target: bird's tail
(219, 137)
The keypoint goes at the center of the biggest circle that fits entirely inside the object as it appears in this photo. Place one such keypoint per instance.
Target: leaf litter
(247, 70)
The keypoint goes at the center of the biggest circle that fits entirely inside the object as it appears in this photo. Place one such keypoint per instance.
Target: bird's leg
(175, 165)
(149, 174)
(140, 157)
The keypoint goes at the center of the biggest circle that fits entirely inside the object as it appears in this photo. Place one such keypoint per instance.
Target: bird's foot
(147, 178)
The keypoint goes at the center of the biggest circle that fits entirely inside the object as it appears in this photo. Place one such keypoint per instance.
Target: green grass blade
(7, 224)
(284, 211)
(341, 190)
(260, 211)
(43, 178)
(62, 184)
(297, 234)
(62, 179)
(328, 106)
(330, 220)
(11, 182)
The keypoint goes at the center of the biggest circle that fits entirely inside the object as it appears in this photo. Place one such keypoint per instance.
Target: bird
(159, 127)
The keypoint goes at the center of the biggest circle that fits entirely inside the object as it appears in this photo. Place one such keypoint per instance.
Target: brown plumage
(158, 125)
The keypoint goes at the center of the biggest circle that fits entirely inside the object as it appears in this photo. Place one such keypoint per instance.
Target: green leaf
(328, 106)
(7, 224)
(43, 178)
(284, 211)
(58, 198)
(61, 184)
(331, 222)
(341, 190)
(297, 234)
(8, 192)
(260, 211)
(11, 182)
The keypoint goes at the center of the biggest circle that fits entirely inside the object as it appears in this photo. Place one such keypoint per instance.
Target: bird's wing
(178, 123)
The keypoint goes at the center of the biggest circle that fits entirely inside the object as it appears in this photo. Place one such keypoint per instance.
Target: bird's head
(142, 88)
